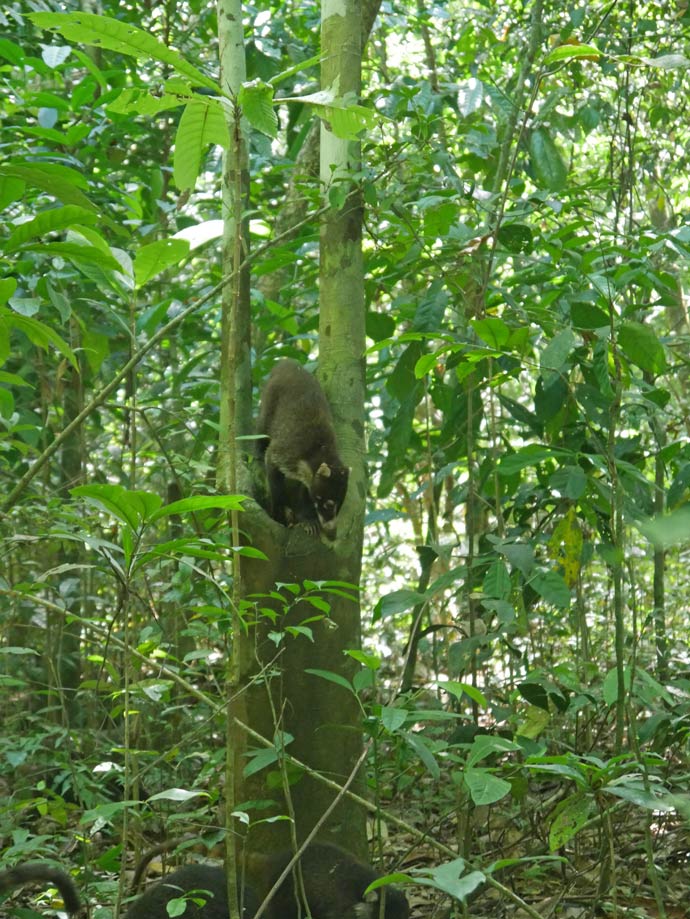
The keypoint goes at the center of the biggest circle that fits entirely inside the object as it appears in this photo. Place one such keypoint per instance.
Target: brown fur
(334, 884)
(307, 480)
(43, 873)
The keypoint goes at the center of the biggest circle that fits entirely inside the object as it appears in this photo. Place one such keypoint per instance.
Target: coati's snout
(328, 490)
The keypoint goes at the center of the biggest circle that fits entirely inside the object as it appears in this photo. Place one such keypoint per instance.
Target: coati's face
(328, 490)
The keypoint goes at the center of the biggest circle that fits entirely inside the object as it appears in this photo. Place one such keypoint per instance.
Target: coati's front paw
(310, 526)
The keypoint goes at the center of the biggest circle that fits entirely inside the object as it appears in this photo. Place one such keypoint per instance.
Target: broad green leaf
(589, 316)
(393, 718)
(485, 788)
(59, 181)
(520, 556)
(7, 289)
(531, 455)
(38, 333)
(571, 815)
(152, 260)
(177, 794)
(633, 790)
(667, 61)
(516, 237)
(551, 586)
(130, 507)
(10, 190)
(565, 544)
(397, 602)
(77, 253)
(424, 753)
(331, 677)
(140, 102)
(555, 355)
(497, 580)
(610, 685)
(641, 346)
(256, 102)
(370, 661)
(668, 530)
(50, 221)
(492, 330)
(202, 123)
(569, 481)
(549, 168)
(535, 721)
(484, 745)
(104, 32)
(343, 115)
(459, 689)
(572, 52)
(260, 760)
(451, 879)
(396, 877)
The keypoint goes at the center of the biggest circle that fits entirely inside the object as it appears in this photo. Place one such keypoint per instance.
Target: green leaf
(397, 602)
(7, 289)
(588, 316)
(424, 753)
(484, 745)
(260, 760)
(343, 114)
(130, 507)
(202, 123)
(459, 689)
(547, 163)
(516, 237)
(668, 530)
(531, 455)
(551, 586)
(38, 334)
(332, 678)
(492, 330)
(555, 355)
(256, 101)
(153, 259)
(570, 816)
(485, 788)
(370, 661)
(104, 32)
(177, 794)
(56, 180)
(572, 52)
(641, 346)
(78, 253)
(633, 790)
(667, 61)
(50, 221)
(393, 718)
(497, 582)
(610, 685)
(450, 879)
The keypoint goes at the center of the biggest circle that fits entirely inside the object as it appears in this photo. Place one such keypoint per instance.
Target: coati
(334, 884)
(40, 872)
(201, 882)
(307, 480)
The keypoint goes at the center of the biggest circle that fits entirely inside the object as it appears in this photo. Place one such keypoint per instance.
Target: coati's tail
(33, 872)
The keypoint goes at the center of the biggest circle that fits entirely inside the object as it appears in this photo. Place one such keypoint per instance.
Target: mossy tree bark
(322, 718)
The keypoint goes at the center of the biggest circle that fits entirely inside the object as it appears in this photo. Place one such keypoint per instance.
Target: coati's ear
(324, 470)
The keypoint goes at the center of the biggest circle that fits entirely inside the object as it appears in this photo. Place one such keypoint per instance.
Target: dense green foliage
(526, 252)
